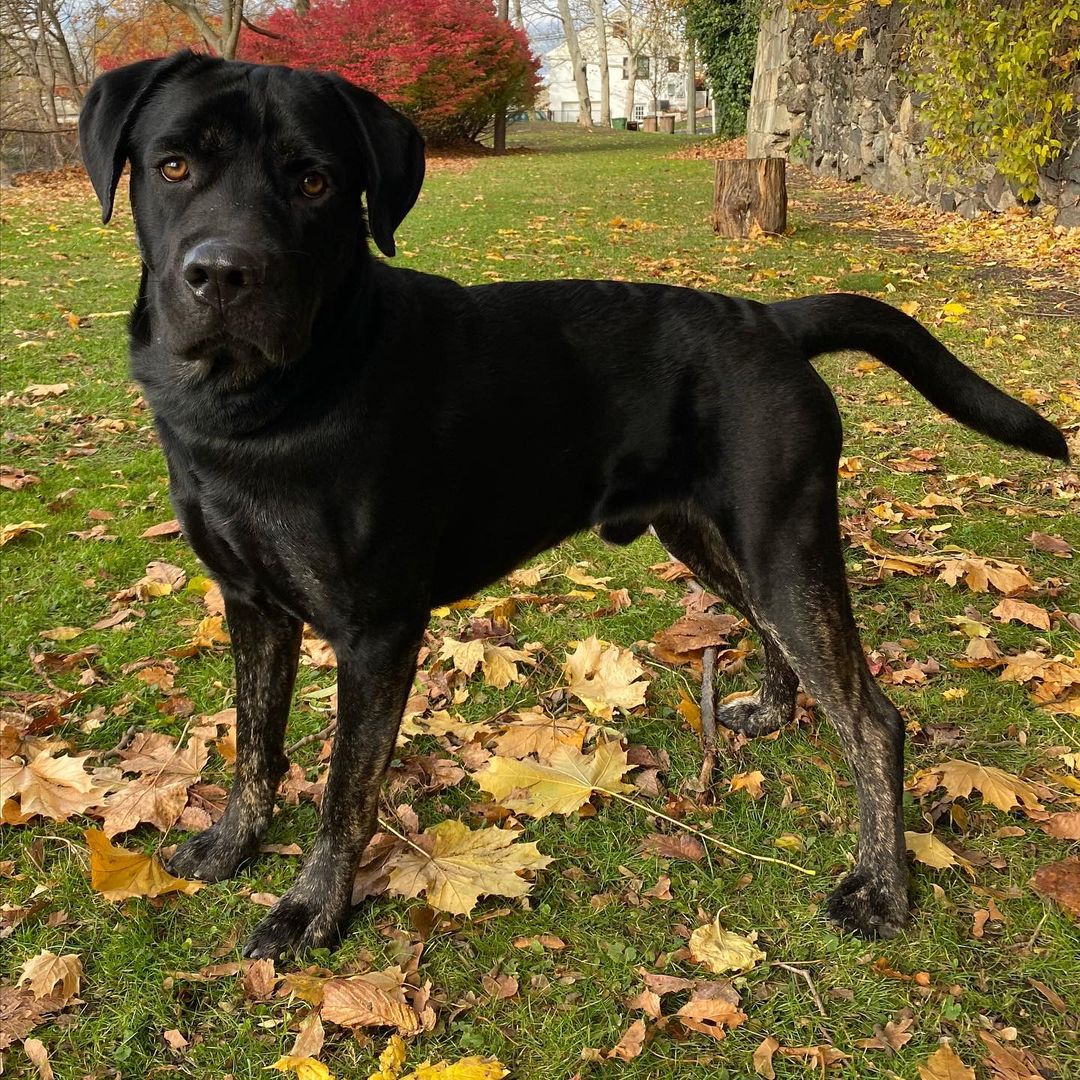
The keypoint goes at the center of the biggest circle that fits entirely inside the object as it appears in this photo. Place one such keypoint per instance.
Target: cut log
(750, 192)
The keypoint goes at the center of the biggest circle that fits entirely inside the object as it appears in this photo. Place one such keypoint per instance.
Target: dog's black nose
(219, 273)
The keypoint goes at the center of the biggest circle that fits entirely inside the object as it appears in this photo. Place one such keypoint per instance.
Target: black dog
(299, 386)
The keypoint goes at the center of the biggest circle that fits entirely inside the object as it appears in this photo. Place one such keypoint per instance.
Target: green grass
(552, 213)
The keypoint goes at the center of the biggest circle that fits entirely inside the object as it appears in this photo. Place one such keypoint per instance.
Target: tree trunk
(748, 193)
(499, 135)
(631, 86)
(584, 104)
(691, 89)
(605, 77)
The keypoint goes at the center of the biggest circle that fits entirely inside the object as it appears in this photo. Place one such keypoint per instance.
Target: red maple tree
(447, 64)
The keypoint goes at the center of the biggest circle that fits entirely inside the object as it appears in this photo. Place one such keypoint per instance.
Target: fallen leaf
(1063, 826)
(466, 1068)
(631, 1044)
(930, 851)
(498, 662)
(55, 787)
(673, 846)
(1061, 882)
(461, 864)
(687, 638)
(980, 574)
(18, 530)
(560, 787)
(44, 971)
(894, 1035)
(534, 732)
(118, 874)
(763, 1056)
(305, 1068)
(162, 529)
(750, 782)
(1052, 545)
(210, 632)
(998, 788)
(579, 577)
(174, 1039)
(368, 1001)
(605, 677)
(39, 1058)
(1010, 610)
(819, 1058)
(720, 950)
(711, 1010)
(943, 1064)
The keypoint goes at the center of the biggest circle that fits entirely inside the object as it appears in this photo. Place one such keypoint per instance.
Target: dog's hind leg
(375, 671)
(696, 541)
(266, 647)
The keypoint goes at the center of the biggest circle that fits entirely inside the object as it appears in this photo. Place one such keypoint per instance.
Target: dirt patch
(67, 184)
(714, 150)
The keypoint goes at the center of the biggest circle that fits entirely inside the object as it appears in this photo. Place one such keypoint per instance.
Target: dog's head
(246, 185)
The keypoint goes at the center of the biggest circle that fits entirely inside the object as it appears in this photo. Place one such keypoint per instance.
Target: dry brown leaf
(44, 971)
(561, 787)
(673, 846)
(763, 1056)
(1009, 1062)
(687, 638)
(117, 873)
(19, 530)
(1010, 610)
(498, 662)
(370, 1000)
(1052, 545)
(1061, 882)
(722, 951)
(534, 732)
(944, 1064)
(56, 787)
(980, 574)
(1063, 826)
(819, 1058)
(310, 1037)
(259, 979)
(39, 1058)
(605, 677)
(894, 1035)
(711, 1010)
(631, 1044)
(174, 1039)
(162, 529)
(459, 865)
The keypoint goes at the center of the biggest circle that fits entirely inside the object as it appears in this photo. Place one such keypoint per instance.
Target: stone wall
(851, 116)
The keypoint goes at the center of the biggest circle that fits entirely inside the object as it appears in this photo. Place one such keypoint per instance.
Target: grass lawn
(590, 206)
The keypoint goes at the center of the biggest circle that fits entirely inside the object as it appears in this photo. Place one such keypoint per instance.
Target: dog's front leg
(266, 647)
(375, 673)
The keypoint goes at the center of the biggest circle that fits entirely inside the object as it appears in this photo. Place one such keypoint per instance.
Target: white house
(659, 86)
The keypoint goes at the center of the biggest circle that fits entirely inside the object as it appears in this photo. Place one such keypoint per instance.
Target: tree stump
(750, 192)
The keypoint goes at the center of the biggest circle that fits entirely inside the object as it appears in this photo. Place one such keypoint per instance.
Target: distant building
(660, 86)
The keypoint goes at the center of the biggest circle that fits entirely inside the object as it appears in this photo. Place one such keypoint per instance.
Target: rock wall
(851, 116)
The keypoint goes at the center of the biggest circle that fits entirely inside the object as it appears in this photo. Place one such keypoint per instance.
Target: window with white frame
(639, 112)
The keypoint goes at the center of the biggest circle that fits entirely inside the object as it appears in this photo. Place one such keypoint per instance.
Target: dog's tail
(822, 324)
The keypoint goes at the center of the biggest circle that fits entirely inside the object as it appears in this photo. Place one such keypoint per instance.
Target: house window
(642, 63)
(626, 67)
(639, 112)
(673, 65)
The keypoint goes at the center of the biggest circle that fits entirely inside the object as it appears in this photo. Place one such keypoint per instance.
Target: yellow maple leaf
(210, 632)
(999, 788)
(930, 851)
(467, 1068)
(604, 677)
(306, 1068)
(374, 999)
(499, 662)
(19, 529)
(562, 786)
(579, 577)
(117, 873)
(460, 864)
(722, 951)
(44, 971)
(534, 732)
(750, 782)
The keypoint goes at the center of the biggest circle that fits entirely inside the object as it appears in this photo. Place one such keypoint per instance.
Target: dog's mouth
(227, 361)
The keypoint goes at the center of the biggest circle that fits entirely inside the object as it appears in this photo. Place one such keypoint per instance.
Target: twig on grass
(708, 719)
(308, 739)
(804, 974)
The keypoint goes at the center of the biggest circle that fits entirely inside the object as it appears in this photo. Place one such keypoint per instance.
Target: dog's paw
(752, 719)
(296, 925)
(211, 856)
(866, 904)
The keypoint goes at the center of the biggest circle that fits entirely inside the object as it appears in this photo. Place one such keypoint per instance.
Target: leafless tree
(218, 23)
(570, 30)
(600, 30)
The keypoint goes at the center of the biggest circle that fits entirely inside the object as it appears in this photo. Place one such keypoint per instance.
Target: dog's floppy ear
(395, 161)
(108, 111)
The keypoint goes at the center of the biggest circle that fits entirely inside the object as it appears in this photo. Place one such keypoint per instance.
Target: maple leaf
(466, 1068)
(209, 633)
(687, 638)
(579, 577)
(534, 732)
(998, 788)
(306, 1068)
(459, 865)
(720, 950)
(604, 677)
(980, 574)
(943, 1064)
(44, 971)
(817, 1057)
(55, 787)
(750, 782)
(18, 530)
(499, 662)
(159, 796)
(930, 851)
(118, 874)
(560, 787)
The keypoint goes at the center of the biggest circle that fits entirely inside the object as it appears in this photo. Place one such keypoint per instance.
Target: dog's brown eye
(174, 169)
(313, 185)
